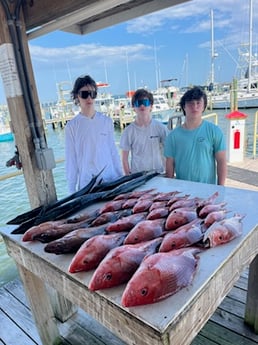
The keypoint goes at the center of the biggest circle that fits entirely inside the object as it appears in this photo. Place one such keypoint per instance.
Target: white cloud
(228, 14)
(88, 52)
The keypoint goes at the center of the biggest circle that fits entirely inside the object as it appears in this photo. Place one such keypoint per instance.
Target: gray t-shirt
(145, 145)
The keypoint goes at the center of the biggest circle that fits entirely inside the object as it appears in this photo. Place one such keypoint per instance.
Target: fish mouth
(207, 243)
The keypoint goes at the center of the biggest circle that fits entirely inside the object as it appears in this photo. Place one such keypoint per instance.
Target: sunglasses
(145, 102)
(85, 94)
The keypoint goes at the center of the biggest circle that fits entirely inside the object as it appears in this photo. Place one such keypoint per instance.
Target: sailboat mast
(250, 44)
(212, 48)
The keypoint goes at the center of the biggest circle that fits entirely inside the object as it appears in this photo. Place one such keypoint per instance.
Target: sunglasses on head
(145, 102)
(85, 94)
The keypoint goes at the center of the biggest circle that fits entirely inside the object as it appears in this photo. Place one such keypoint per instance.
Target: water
(13, 194)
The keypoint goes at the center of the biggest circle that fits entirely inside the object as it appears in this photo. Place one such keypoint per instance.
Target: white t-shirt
(90, 147)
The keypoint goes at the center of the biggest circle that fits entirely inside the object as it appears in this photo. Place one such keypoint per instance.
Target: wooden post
(40, 183)
(234, 96)
(41, 307)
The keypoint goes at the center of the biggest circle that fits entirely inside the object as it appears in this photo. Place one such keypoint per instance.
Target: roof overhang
(82, 17)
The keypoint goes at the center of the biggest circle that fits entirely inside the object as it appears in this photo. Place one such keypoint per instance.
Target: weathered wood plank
(251, 315)
(10, 332)
(18, 312)
(223, 336)
(82, 326)
(235, 323)
(15, 288)
(201, 340)
(86, 323)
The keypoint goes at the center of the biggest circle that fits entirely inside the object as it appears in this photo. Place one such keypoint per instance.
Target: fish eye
(173, 244)
(108, 276)
(144, 291)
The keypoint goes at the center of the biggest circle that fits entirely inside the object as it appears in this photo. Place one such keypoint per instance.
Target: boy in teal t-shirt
(196, 150)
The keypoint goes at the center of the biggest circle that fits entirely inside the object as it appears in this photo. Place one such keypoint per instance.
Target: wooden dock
(226, 326)
(58, 121)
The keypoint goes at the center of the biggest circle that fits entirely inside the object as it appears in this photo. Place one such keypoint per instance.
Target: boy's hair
(79, 83)
(195, 93)
(141, 94)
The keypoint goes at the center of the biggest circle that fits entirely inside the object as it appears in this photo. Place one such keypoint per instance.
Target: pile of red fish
(150, 240)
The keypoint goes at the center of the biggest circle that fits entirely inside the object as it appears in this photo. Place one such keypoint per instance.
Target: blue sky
(172, 43)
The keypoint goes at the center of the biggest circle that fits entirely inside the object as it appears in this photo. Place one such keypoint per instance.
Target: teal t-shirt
(194, 151)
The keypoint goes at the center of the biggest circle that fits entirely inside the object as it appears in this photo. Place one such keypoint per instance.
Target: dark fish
(71, 242)
(61, 211)
(105, 186)
(41, 210)
(131, 185)
(75, 205)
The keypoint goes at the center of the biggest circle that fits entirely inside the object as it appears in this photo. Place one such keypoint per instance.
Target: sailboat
(247, 84)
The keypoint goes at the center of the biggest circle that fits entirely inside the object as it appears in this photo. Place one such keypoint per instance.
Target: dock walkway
(243, 175)
(225, 327)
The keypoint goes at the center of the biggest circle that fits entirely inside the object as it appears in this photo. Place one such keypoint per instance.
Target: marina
(225, 324)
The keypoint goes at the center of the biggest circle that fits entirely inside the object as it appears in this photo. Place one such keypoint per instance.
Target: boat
(161, 111)
(246, 89)
(5, 130)
(6, 135)
(245, 99)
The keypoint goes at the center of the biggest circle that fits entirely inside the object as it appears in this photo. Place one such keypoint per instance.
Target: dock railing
(255, 134)
(212, 115)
